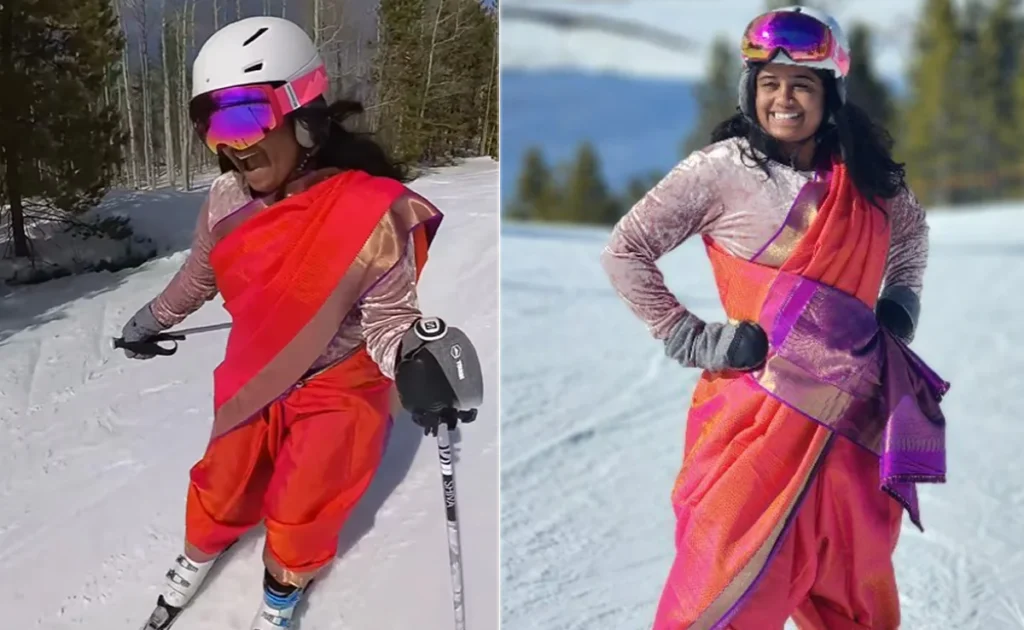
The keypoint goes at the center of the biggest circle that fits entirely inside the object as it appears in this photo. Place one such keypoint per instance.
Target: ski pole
(444, 451)
(152, 344)
(439, 424)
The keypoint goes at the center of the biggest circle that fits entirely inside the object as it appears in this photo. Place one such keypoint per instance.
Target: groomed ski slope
(593, 416)
(95, 450)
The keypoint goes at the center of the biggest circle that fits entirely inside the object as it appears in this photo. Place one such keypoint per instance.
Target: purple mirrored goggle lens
(801, 36)
(235, 117)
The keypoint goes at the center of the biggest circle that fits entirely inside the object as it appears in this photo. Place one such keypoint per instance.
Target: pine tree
(585, 198)
(716, 96)
(536, 193)
(933, 121)
(399, 71)
(863, 85)
(489, 125)
(59, 142)
(435, 68)
(458, 74)
(995, 110)
(1017, 131)
(975, 155)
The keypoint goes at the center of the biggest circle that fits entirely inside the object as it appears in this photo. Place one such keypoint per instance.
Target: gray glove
(140, 327)
(717, 347)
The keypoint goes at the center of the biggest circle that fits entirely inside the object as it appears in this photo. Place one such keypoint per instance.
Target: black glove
(897, 311)
(749, 347)
(717, 347)
(438, 375)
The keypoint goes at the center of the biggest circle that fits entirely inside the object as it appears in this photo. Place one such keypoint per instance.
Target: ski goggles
(241, 116)
(804, 38)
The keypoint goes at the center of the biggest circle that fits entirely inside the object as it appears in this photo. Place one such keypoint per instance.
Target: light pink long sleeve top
(719, 193)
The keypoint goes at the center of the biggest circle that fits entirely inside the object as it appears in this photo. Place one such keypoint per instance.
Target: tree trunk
(9, 150)
(199, 158)
(184, 93)
(316, 22)
(12, 178)
(383, 61)
(168, 132)
(485, 135)
(147, 118)
(418, 135)
(133, 155)
(147, 140)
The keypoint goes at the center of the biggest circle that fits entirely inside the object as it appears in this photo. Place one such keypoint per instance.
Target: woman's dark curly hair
(336, 146)
(864, 146)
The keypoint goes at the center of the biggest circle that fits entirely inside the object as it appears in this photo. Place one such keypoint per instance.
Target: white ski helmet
(260, 49)
(837, 63)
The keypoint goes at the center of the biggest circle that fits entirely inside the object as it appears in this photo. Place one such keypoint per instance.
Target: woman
(316, 248)
(810, 423)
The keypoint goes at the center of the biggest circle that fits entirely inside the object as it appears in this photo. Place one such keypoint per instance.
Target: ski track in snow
(96, 451)
(593, 418)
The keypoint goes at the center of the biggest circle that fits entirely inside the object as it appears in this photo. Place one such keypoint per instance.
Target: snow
(593, 418)
(155, 217)
(97, 448)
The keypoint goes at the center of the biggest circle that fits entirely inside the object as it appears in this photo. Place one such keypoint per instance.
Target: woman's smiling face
(790, 102)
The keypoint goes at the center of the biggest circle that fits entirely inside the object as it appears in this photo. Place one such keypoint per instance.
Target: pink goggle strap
(296, 93)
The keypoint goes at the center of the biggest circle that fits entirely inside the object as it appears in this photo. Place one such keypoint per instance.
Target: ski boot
(183, 581)
(277, 610)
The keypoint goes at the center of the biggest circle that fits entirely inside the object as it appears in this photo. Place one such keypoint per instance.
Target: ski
(163, 616)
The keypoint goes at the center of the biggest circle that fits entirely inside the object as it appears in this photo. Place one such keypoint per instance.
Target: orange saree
(750, 457)
(290, 273)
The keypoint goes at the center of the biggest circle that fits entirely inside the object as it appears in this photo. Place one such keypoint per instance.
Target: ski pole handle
(151, 345)
(429, 421)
